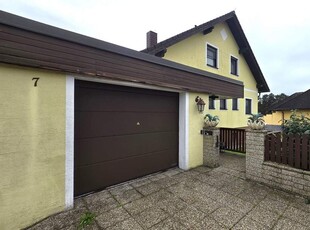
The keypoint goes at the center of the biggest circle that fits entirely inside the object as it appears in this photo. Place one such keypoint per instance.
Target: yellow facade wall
(276, 117)
(195, 139)
(192, 52)
(32, 140)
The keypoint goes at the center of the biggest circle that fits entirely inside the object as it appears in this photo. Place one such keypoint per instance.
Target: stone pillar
(255, 148)
(211, 147)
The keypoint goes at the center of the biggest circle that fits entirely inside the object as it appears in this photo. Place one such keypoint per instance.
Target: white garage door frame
(69, 173)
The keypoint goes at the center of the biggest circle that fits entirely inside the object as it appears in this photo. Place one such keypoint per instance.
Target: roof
(33, 44)
(236, 29)
(295, 101)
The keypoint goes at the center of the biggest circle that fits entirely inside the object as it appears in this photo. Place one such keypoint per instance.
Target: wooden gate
(232, 139)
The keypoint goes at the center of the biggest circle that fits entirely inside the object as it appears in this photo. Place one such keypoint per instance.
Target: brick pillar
(211, 152)
(255, 148)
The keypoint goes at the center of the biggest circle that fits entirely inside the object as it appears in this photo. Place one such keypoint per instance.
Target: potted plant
(211, 121)
(256, 121)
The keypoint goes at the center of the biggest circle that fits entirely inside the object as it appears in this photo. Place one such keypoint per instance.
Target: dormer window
(212, 56)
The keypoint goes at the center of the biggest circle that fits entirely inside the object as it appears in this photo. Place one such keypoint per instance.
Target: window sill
(223, 109)
(237, 75)
(235, 109)
(214, 67)
(212, 108)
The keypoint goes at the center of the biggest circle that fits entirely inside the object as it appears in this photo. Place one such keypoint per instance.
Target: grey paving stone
(181, 177)
(207, 206)
(298, 215)
(202, 169)
(118, 189)
(299, 203)
(216, 182)
(150, 217)
(156, 177)
(185, 193)
(189, 217)
(237, 204)
(190, 197)
(203, 177)
(263, 216)
(217, 195)
(172, 206)
(101, 205)
(169, 224)
(129, 224)
(288, 224)
(137, 206)
(97, 197)
(226, 216)
(237, 186)
(173, 172)
(273, 205)
(205, 189)
(112, 217)
(166, 182)
(248, 224)
(149, 188)
(208, 223)
(92, 226)
(127, 196)
(191, 173)
(280, 196)
(139, 182)
(61, 220)
(248, 196)
(160, 196)
(200, 198)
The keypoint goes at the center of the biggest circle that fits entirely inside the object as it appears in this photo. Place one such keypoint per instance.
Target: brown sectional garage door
(122, 133)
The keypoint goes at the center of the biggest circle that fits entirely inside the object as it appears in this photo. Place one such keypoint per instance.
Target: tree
(266, 103)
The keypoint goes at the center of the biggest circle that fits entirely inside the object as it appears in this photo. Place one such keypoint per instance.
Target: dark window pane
(223, 104)
(248, 106)
(233, 66)
(211, 103)
(211, 56)
(235, 104)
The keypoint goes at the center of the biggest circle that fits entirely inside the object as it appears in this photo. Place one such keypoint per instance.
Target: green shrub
(209, 117)
(297, 124)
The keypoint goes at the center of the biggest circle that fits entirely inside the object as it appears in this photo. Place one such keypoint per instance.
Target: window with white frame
(223, 104)
(248, 106)
(234, 66)
(211, 103)
(212, 56)
(235, 104)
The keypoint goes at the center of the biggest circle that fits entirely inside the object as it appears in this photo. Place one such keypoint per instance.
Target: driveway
(201, 198)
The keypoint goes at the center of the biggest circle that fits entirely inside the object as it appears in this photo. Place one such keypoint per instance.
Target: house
(220, 47)
(282, 111)
(78, 114)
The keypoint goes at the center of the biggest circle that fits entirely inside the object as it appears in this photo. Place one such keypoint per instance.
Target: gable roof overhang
(32, 44)
(236, 29)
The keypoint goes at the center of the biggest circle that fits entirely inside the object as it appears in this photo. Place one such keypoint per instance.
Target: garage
(122, 133)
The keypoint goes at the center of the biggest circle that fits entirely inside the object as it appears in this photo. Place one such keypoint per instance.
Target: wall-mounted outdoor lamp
(200, 104)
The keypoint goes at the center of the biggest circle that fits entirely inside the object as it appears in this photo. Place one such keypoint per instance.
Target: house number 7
(36, 79)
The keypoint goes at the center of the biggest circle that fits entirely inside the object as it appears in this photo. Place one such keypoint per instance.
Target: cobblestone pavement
(201, 198)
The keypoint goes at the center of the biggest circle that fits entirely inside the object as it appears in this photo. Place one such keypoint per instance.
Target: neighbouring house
(282, 111)
(220, 47)
(78, 114)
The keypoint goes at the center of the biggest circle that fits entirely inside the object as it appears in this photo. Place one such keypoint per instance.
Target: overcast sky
(278, 31)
